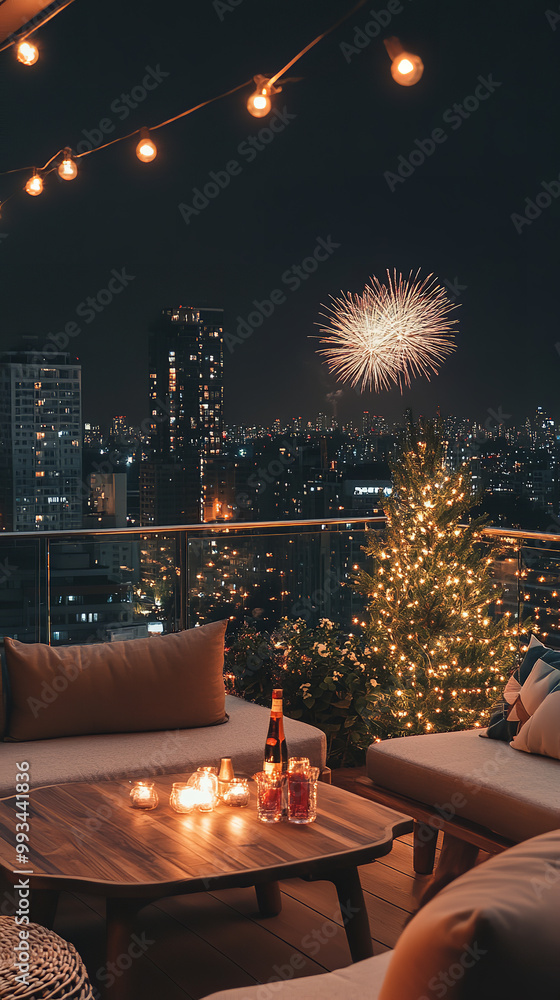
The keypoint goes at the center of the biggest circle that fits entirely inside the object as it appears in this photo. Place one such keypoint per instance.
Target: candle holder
(269, 796)
(143, 795)
(183, 798)
(237, 792)
(205, 783)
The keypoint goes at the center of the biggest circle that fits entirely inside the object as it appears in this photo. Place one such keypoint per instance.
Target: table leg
(425, 843)
(354, 913)
(43, 906)
(123, 947)
(269, 899)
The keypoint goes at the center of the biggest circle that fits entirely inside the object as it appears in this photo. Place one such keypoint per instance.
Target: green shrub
(329, 680)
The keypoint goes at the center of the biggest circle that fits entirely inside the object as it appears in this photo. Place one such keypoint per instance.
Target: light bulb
(27, 53)
(67, 168)
(406, 68)
(146, 150)
(259, 104)
(34, 185)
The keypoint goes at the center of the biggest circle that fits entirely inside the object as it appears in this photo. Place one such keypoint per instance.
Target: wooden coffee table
(86, 837)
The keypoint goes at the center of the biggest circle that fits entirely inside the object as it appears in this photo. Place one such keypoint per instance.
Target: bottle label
(277, 705)
(270, 768)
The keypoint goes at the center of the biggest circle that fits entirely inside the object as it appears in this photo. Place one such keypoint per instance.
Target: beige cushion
(160, 682)
(484, 781)
(361, 981)
(135, 755)
(541, 733)
(492, 934)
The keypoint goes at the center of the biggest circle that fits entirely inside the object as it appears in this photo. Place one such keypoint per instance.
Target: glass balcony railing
(99, 586)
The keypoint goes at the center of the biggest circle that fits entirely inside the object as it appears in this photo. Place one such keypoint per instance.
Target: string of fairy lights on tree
(443, 643)
(406, 70)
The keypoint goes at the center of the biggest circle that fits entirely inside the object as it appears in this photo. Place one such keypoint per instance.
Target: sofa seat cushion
(485, 781)
(122, 755)
(361, 981)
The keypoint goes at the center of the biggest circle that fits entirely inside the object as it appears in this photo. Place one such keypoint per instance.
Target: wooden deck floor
(196, 945)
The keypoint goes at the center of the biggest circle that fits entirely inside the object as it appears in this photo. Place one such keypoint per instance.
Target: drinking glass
(269, 796)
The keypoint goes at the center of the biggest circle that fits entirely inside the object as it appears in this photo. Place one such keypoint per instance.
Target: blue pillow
(499, 728)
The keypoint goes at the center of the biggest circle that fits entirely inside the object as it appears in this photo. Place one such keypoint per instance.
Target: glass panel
(23, 608)
(258, 577)
(109, 587)
(540, 587)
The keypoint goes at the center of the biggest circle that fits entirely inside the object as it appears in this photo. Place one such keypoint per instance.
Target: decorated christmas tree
(443, 654)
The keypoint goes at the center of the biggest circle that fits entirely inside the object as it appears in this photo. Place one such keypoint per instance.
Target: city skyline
(344, 181)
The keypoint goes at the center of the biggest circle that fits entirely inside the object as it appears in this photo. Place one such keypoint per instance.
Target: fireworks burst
(389, 334)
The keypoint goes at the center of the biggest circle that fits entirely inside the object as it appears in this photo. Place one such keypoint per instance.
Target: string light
(259, 103)
(146, 150)
(67, 168)
(34, 185)
(406, 68)
(27, 53)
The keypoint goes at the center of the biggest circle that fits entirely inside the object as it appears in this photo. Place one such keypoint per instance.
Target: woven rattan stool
(56, 971)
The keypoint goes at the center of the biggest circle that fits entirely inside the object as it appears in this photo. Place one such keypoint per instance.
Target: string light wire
(152, 128)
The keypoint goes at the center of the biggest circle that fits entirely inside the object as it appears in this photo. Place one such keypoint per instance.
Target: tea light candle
(237, 793)
(143, 795)
(184, 798)
(205, 782)
(207, 787)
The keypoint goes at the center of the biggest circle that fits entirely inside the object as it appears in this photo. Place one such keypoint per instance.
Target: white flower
(352, 656)
(325, 623)
(304, 687)
(367, 651)
(336, 675)
(321, 648)
(373, 683)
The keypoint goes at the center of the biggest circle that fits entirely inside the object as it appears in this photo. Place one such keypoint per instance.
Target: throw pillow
(161, 682)
(541, 733)
(499, 728)
(541, 681)
(493, 933)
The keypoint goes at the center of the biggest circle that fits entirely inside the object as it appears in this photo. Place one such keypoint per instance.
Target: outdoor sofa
(131, 709)
(486, 789)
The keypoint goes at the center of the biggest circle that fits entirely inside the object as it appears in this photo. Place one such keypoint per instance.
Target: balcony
(87, 586)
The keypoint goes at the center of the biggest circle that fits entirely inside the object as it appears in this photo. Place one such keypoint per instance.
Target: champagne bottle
(275, 751)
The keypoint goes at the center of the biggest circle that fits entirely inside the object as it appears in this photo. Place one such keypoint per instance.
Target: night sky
(345, 124)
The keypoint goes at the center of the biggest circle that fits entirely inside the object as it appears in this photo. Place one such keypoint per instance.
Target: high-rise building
(544, 429)
(119, 427)
(41, 435)
(186, 361)
(106, 501)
